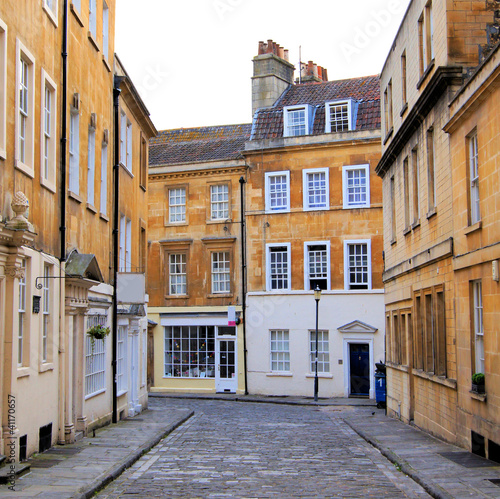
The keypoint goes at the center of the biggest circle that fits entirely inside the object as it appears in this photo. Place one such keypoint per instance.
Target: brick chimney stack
(272, 74)
(310, 72)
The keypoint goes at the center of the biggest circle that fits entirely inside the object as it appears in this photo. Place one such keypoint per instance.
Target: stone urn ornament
(19, 205)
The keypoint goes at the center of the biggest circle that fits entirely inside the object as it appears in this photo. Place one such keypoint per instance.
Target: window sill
(102, 216)
(219, 221)
(425, 74)
(398, 367)
(91, 208)
(473, 228)
(93, 41)
(50, 186)
(42, 368)
(355, 207)
(322, 208)
(75, 197)
(129, 172)
(143, 187)
(3, 154)
(122, 392)
(407, 230)
(51, 15)
(284, 374)
(481, 397)
(276, 212)
(77, 15)
(415, 224)
(441, 380)
(23, 372)
(176, 297)
(220, 295)
(388, 135)
(175, 224)
(106, 64)
(320, 375)
(87, 397)
(393, 241)
(431, 213)
(404, 109)
(24, 168)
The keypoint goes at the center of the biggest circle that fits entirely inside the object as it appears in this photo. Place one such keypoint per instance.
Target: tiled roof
(268, 122)
(190, 145)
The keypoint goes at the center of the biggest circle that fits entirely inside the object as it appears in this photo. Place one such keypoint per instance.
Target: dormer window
(339, 116)
(296, 120)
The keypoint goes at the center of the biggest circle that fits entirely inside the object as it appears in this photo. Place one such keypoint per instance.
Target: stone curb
(89, 490)
(270, 400)
(432, 489)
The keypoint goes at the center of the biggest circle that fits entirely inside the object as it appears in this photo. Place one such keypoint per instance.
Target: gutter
(243, 278)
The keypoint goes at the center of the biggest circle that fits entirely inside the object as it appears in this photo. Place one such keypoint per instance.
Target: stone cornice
(15, 237)
(443, 77)
(156, 177)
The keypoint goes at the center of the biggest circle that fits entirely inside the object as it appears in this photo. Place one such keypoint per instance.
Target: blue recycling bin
(380, 389)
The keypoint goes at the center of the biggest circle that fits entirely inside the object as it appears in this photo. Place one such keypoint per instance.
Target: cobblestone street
(261, 450)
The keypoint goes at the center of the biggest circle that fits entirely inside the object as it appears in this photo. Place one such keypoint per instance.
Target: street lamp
(317, 297)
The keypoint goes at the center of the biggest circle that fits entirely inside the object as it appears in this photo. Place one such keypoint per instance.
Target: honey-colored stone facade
(426, 227)
(56, 272)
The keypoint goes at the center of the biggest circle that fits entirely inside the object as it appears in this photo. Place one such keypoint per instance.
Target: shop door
(359, 358)
(225, 374)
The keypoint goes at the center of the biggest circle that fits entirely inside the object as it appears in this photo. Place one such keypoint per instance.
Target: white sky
(191, 60)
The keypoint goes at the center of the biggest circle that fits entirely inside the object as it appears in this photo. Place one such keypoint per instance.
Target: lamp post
(317, 297)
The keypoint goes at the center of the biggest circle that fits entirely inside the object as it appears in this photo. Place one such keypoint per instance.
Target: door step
(13, 471)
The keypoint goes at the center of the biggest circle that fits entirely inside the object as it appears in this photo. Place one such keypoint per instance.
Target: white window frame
(3, 90)
(121, 359)
(305, 189)
(177, 262)
(177, 208)
(345, 186)
(93, 18)
(123, 138)
(288, 274)
(287, 125)
(104, 180)
(283, 208)
(475, 212)
(307, 279)
(95, 359)
(26, 163)
(51, 9)
(46, 313)
(48, 132)
(347, 244)
(279, 356)
(328, 117)
(323, 353)
(128, 161)
(22, 317)
(74, 151)
(219, 202)
(477, 296)
(221, 272)
(91, 167)
(125, 264)
(105, 30)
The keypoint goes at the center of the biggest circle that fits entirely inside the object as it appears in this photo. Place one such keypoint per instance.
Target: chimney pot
(286, 54)
(261, 48)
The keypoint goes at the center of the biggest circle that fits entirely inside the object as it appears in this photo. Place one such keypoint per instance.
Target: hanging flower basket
(97, 333)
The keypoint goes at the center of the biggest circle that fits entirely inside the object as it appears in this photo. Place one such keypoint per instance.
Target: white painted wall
(296, 311)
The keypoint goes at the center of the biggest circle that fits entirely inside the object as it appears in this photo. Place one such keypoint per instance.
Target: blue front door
(359, 356)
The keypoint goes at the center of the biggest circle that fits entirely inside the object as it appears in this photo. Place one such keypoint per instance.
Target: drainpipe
(243, 277)
(116, 207)
(62, 229)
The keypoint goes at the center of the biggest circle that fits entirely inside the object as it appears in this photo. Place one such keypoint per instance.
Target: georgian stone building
(57, 201)
(195, 264)
(314, 218)
(441, 222)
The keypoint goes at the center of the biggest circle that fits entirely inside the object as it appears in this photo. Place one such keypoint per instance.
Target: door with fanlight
(226, 380)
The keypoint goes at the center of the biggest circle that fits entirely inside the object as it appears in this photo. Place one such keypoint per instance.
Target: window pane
(358, 266)
(323, 351)
(339, 117)
(296, 122)
(316, 190)
(280, 355)
(279, 267)
(177, 205)
(219, 195)
(278, 192)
